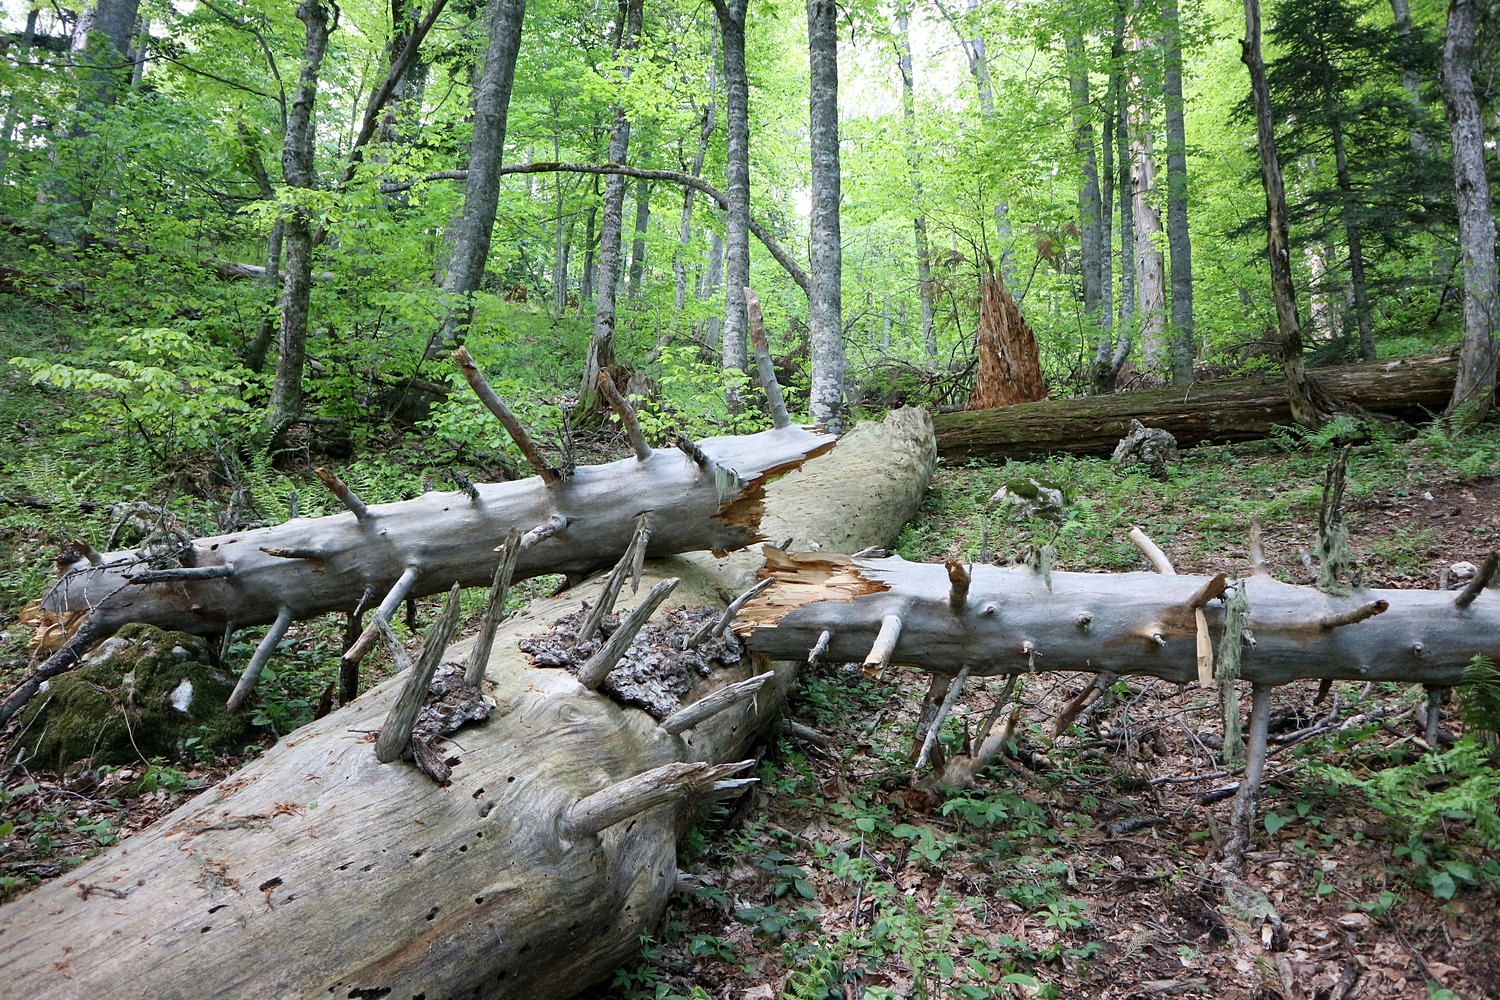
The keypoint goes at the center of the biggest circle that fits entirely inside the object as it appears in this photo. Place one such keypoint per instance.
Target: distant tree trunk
(1089, 210)
(560, 244)
(297, 235)
(260, 344)
(638, 246)
(1179, 244)
(708, 288)
(1411, 80)
(731, 15)
(1352, 235)
(979, 69)
(1474, 392)
(685, 228)
(601, 355)
(471, 231)
(101, 48)
(1103, 375)
(914, 160)
(825, 296)
(1112, 354)
(586, 279)
(8, 126)
(1309, 406)
(411, 82)
(1150, 267)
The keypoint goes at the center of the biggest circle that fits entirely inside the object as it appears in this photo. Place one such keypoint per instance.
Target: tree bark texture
(471, 231)
(1089, 210)
(638, 245)
(979, 68)
(297, 154)
(825, 311)
(1238, 409)
(731, 15)
(1474, 392)
(685, 226)
(101, 46)
(1018, 620)
(914, 160)
(1179, 243)
(601, 352)
(1150, 266)
(1309, 406)
(317, 871)
(1010, 367)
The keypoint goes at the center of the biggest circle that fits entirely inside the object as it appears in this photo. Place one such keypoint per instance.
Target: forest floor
(1081, 865)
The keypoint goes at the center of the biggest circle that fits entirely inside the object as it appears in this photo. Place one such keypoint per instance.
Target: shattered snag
(764, 369)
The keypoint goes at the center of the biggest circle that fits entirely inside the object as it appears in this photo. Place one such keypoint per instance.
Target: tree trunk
(1309, 406)
(1474, 392)
(1089, 210)
(1150, 267)
(471, 231)
(1113, 351)
(1179, 244)
(914, 160)
(1136, 624)
(685, 227)
(1352, 235)
(979, 69)
(559, 241)
(586, 279)
(601, 352)
(1104, 373)
(1238, 409)
(731, 15)
(8, 125)
(1411, 80)
(297, 153)
(318, 871)
(260, 344)
(825, 314)
(1010, 368)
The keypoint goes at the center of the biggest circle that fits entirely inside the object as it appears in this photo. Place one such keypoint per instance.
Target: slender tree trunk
(731, 15)
(1308, 405)
(1179, 244)
(1089, 209)
(713, 277)
(1353, 236)
(979, 69)
(1111, 356)
(297, 152)
(1474, 392)
(586, 279)
(8, 127)
(260, 345)
(560, 246)
(601, 355)
(914, 160)
(471, 231)
(1103, 375)
(638, 246)
(825, 296)
(685, 227)
(1411, 80)
(1150, 267)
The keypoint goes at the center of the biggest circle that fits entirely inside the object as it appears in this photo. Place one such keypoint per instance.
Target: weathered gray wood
(1121, 623)
(317, 871)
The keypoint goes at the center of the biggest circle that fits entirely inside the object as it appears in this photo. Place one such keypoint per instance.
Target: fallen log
(706, 495)
(1222, 410)
(990, 621)
(317, 871)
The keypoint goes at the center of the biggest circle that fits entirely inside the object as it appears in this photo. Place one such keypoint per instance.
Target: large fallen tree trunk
(701, 496)
(1239, 409)
(317, 871)
(988, 621)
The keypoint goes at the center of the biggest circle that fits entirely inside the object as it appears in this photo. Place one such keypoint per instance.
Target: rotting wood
(1219, 410)
(313, 566)
(395, 886)
(1137, 623)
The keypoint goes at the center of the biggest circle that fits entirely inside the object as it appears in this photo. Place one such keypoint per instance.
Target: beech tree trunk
(979, 69)
(731, 15)
(1240, 409)
(825, 311)
(1150, 266)
(1113, 352)
(638, 245)
(1474, 392)
(297, 153)
(1309, 406)
(1411, 80)
(471, 231)
(1090, 212)
(1179, 243)
(914, 160)
(318, 871)
(685, 227)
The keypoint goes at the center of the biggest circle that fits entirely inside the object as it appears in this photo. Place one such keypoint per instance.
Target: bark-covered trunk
(1474, 392)
(825, 314)
(8, 124)
(1309, 406)
(1113, 351)
(685, 226)
(559, 240)
(914, 161)
(1411, 80)
(1150, 266)
(1103, 373)
(1179, 244)
(1089, 210)
(979, 68)
(1238, 409)
(731, 15)
(586, 279)
(1352, 234)
(319, 871)
(101, 48)
(638, 245)
(297, 154)
(471, 232)
(260, 344)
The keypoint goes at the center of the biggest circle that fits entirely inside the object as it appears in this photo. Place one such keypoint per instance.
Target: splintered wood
(1010, 369)
(803, 578)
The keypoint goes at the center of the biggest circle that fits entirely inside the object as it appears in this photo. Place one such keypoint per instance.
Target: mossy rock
(141, 693)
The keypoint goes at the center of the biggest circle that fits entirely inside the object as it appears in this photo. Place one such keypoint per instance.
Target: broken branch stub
(626, 413)
(659, 786)
(395, 733)
(259, 659)
(764, 369)
(598, 666)
(494, 609)
(517, 431)
(614, 583)
(690, 715)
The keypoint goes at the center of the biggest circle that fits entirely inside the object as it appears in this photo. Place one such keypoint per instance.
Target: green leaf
(1442, 885)
(1274, 822)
